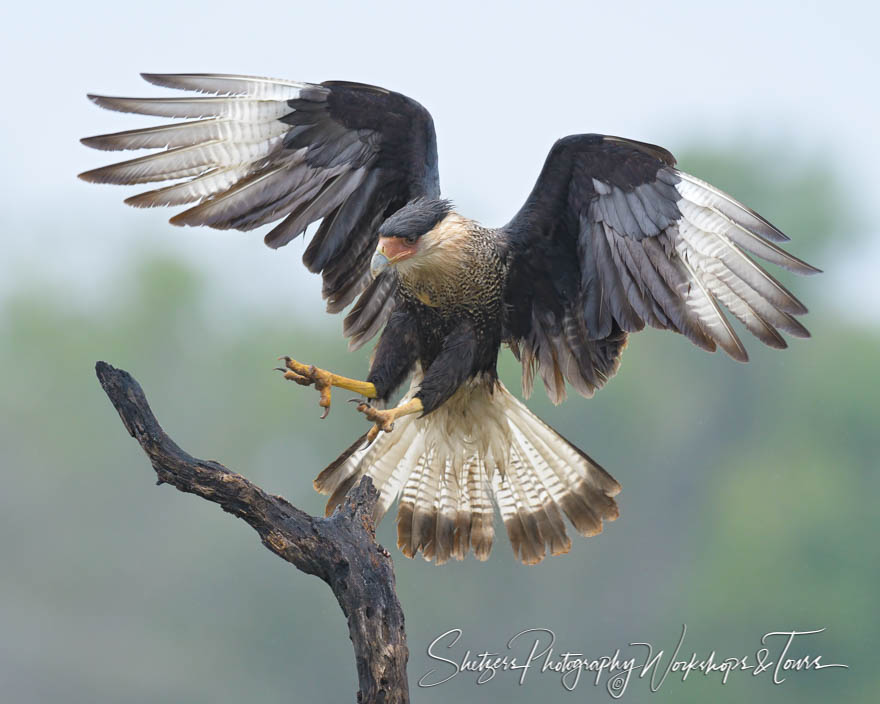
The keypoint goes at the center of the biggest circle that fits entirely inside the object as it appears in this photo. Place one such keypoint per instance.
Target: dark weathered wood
(341, 549)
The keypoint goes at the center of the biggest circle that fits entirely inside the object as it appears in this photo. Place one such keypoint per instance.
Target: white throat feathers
(442, 253)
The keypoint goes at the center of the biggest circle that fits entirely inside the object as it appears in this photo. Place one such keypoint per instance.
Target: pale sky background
(502, 80)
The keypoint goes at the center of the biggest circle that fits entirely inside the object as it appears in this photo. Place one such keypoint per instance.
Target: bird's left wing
(614, 237)
(256, 150)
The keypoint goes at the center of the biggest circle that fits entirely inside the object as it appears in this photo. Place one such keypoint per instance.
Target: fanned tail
(447, 468)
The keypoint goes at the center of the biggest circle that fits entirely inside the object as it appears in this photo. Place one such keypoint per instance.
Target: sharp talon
(325, 413)
(325, 397)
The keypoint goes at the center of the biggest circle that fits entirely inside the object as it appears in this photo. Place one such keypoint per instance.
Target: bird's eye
(410, 240)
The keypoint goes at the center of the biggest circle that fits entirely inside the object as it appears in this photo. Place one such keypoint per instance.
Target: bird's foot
(323, 381)
(384, 419)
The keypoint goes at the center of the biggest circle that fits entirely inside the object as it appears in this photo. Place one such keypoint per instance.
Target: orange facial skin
(396, 248)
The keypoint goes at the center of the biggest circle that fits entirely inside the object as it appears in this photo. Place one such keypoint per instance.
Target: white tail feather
(445, 465)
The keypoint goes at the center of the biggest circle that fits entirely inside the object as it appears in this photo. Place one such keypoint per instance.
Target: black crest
(416, 218)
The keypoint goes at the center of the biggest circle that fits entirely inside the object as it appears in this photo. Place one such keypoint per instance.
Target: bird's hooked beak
(378, 263)
(390, 251)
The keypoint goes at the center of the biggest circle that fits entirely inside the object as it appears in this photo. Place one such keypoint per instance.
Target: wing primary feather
(720, 247)
(164, 166)
(227, 84)
(189, 191)
(186, 134)
(232, 107)
(716, 325)
(745, 313)
(252, 201)
(675, 277)
(757, 245)
(736, 210)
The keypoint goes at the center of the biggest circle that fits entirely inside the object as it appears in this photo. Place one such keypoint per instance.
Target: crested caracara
(612, 238)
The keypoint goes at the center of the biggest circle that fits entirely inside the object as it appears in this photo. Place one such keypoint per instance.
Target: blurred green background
(749, 499)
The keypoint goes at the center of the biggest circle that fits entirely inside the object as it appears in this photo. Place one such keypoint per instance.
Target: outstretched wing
(257, 150)
(614, 237)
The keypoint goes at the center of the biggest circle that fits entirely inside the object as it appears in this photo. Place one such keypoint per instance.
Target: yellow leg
(384, 420)
(309, 374)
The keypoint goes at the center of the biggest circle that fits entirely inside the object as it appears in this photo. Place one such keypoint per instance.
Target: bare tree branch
(341, 549)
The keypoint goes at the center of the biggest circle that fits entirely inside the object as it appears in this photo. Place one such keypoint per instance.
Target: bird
(613, 238)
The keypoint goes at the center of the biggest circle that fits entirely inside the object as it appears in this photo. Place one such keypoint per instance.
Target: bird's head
(411, 235)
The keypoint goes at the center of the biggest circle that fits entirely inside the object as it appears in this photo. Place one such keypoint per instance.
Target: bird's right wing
(256, 150)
